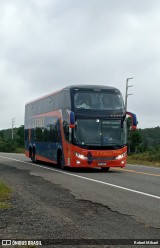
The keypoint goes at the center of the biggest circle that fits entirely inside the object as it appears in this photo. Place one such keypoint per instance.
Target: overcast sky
(48, 44)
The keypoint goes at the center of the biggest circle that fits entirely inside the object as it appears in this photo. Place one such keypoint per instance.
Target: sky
(46, 45)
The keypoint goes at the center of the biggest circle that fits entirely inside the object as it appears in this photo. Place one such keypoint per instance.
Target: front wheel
(105, 169)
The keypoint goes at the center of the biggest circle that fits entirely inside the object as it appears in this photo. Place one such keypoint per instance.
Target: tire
(30, 152)
(33, 157)
(105, 169)
(60, 160)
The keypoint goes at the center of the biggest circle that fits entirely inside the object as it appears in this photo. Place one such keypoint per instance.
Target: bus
(78, 126)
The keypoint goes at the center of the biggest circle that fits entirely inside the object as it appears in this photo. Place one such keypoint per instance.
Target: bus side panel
(44, 135)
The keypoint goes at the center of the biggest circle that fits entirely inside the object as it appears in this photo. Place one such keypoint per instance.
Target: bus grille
(103, 158)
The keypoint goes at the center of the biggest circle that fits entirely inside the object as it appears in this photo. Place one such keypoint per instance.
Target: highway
(131, 194)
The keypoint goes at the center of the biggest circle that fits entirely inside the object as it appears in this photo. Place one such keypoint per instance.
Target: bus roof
(72, 87)
(87, 86)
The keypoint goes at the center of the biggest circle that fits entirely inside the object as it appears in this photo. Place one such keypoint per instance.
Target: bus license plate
(102, 164)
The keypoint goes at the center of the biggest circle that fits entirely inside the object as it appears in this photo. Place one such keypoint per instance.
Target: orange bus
(78, 126)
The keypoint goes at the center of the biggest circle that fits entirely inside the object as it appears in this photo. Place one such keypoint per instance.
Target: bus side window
(66, 130)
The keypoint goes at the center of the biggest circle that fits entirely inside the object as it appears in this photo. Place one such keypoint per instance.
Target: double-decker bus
(78, 126)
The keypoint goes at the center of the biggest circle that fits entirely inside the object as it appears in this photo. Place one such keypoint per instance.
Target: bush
(7, 145)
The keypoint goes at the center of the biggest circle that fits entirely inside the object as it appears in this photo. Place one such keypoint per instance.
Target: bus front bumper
(80, 160)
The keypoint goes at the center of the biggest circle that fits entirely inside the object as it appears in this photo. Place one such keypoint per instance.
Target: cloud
(46, 45)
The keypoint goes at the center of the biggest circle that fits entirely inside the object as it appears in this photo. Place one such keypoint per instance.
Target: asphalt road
(122, 203)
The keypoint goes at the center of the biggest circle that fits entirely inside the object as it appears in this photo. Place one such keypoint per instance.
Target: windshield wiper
(94, 143)
(115, 144)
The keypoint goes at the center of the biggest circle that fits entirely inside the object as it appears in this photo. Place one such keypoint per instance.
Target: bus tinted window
(98, 100)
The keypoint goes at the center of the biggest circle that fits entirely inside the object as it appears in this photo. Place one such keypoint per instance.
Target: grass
(19, 150)
(151, 158)
(5, 194)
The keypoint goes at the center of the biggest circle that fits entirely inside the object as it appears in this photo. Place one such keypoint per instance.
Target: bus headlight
(81, 156)
(121, 156)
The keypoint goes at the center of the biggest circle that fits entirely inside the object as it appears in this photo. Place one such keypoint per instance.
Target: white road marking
(86, 178)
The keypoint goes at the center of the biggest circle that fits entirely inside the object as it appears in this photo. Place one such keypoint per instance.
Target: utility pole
(126, 98)
(126, 95)
(13, 123)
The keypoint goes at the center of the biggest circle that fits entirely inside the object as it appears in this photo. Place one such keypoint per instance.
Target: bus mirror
(72, 119)
(134, 120)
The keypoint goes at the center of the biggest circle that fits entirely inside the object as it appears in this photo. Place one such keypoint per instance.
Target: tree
(1, 134)
(20, 136)
(7, 145)
(135, 139)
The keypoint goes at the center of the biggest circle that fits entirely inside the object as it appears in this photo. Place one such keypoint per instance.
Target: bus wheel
(33, 157)
(105, 169)
(30, 152)
(60, 160)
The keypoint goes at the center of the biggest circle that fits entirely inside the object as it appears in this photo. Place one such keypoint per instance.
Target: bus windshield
(106, 100)
(99, 132)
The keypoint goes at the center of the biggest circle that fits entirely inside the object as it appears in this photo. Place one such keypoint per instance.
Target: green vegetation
(144, 146)
(7, 144)
(19, 150)
(146, 158)
(5, 193)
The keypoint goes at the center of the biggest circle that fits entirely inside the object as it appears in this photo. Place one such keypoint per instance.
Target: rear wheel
(60, 160)
(33, 157)
(30, 152)
(105, 169)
